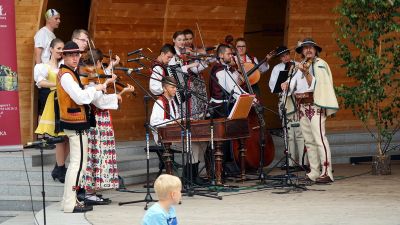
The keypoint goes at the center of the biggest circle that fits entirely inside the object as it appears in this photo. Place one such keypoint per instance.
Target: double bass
(260, 146)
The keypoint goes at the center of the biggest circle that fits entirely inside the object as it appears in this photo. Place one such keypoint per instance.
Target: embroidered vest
(167, 116)
(72, 115)
(164, 70)
(216, 91)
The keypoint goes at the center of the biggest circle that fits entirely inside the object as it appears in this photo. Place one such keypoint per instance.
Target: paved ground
(355, 198)
(364, 199)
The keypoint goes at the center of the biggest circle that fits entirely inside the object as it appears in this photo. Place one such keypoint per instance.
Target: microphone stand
(41, 146)
(148, 198)
(287, 177)
(188, 187)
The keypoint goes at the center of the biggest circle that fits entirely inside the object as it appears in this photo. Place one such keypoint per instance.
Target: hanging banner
(10, 135)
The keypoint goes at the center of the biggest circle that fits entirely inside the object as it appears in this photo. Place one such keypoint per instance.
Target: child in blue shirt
(168, 189)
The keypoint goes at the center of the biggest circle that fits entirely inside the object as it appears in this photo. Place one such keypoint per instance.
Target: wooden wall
(264, 31)
(316, 19)
(123, 26)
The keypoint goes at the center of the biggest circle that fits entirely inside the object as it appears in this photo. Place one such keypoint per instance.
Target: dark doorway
(264, 30)
(74, 15)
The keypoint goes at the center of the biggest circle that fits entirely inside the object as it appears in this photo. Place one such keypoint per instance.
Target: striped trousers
(312, 123)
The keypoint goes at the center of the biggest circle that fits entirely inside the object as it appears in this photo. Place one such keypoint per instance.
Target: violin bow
(91, 54)
(201, 38)
(112, 69)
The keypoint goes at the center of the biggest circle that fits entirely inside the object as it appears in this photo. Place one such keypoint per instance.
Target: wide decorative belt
(304, 98)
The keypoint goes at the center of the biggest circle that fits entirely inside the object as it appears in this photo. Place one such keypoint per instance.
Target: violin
(87, 74)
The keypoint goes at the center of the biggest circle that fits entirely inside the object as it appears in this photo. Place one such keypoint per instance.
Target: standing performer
(81, 38)
(45, 75)
(191, 76)
(45, 35)
(74, 120)
(159, 68)
(101, 171)
(245, 58)
(189, 42)
(224, 78)
(294, 131)
(316, 101)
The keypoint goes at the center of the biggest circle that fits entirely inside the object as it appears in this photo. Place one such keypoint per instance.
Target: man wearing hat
(74, 120)
(317, 100)
(45, 35)
(294, 131)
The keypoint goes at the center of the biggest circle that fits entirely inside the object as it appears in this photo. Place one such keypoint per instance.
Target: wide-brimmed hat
(71, 47)
(308, 42)
(281, 50)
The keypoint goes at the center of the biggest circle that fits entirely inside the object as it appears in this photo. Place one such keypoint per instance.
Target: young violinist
(296, 141)
(101, 171)
(189, 42)
(241, 47)
(317, 100)
(73, 99)
(159, 68)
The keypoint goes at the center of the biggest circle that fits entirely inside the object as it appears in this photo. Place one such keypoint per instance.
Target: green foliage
(368, 39)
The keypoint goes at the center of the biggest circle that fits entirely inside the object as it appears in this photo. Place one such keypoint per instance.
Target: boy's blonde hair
(166, 184)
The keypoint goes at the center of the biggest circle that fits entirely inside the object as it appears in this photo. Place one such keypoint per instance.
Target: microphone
(135, 52)
(128, 70)
(136, 59)
(44, 142)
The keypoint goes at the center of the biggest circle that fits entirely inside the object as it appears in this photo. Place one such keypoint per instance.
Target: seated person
(165, 111)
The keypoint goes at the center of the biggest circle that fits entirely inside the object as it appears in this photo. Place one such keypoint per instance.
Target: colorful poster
(10, 135)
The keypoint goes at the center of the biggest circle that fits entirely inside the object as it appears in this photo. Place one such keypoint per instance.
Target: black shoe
(80, 208)
(94, 200)
(59, 173)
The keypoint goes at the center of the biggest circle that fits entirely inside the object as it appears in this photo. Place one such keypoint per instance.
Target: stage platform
(356, 197)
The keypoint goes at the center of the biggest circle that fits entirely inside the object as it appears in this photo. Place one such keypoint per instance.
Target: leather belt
(304, 98)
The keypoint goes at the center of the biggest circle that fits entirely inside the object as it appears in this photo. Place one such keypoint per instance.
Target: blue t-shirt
(156, 215)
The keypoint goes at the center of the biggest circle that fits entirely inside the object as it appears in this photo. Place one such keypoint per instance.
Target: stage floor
(356, 197)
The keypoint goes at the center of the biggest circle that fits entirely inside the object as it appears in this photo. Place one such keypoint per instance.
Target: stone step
(21, 188)
(345, 139)
(16, 218)
(23, 203)
(138, 176)
(31, 158)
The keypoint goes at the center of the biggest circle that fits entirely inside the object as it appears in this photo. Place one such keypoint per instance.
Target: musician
(181, 52)
(159, 68)
(241, 47)
(294, 131)
(73, 100)
(317, 100)
(167, 110)
(189, 42)
(224, 88)
(101, 172)
(81, 38)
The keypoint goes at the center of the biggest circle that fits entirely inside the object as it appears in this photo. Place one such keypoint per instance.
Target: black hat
(281, 50)
(71, 47)
(306, 42)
